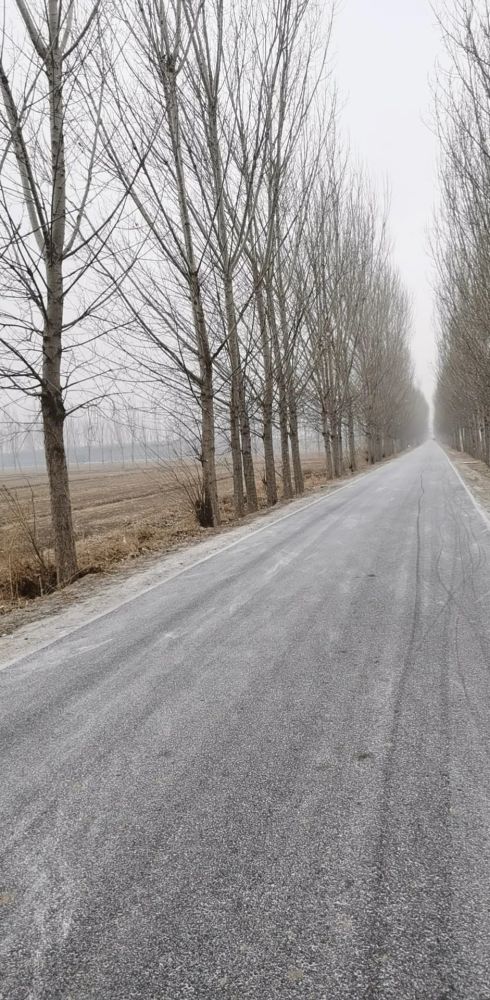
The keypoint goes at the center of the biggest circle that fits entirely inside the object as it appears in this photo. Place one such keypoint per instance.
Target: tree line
(180, 224)
(462, 244)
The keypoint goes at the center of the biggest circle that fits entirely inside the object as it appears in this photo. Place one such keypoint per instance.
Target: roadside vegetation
(184, 238)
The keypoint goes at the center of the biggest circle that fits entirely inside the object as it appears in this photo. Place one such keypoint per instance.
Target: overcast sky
(385, 54)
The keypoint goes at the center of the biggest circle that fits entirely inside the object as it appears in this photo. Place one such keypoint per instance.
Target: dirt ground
(121, 514)
(475, 474)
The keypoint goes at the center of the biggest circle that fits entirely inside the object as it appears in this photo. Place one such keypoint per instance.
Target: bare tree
(462, 235)
(52, 228)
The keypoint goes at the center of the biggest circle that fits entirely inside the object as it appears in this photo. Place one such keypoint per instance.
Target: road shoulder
(50, 618)
(475, 476)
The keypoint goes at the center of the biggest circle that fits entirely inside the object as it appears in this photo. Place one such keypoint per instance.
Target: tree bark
(299, 484)
(336, 450)
(236, 452)
(238, 391)
(352, 439)
(287, 366)
(53, 418)
(370, 446)
(287, 486)
(168, 76)
(327, 445)
(239, 406)
(208, 453)
(268, 395)
(52, 406)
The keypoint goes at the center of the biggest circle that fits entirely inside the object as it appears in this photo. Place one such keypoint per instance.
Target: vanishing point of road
(269, 776)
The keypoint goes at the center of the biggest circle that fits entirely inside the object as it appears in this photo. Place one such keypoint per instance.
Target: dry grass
(120, 513)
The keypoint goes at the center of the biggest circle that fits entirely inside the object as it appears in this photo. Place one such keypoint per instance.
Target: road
(268, 777)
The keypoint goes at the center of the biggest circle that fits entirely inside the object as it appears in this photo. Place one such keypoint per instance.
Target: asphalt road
(268, 777)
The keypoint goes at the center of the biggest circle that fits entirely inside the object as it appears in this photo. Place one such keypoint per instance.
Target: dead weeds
(121, 516)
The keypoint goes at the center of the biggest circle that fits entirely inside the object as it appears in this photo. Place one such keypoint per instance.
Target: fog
(385, 57)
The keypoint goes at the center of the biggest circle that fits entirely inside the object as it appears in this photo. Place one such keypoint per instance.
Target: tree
(52, 229)
(462, 236)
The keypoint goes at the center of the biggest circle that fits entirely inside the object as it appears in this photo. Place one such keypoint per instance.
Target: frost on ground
(46, 619)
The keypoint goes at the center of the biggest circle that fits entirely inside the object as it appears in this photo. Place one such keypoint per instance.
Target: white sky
(384, 60)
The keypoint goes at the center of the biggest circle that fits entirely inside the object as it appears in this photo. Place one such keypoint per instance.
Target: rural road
(268, 777)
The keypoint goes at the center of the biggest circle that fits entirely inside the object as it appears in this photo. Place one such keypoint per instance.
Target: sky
(385, 52)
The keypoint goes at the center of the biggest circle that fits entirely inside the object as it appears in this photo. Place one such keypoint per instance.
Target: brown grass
(119, 512)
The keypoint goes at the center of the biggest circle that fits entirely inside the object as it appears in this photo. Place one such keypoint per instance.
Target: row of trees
(463, 233)
(178, 223)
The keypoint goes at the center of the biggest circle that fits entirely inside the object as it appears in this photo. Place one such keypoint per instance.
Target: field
(119, 513)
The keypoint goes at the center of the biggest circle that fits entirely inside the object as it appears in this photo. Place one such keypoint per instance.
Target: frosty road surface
(269, 776)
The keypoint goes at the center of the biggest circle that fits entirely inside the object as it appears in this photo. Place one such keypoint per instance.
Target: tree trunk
(287, 366)
(202, 341)
(327, 445)
(341, 449)
(299, 484)
(208, 448)
(370, 446)
(268, 397)
(239, 412)
(236, 452)
(53, 417)
(247, 453)
(238, 389)
(52, 406)
(336, 450)
(206, 400)
(287, 486)
(352, 440)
